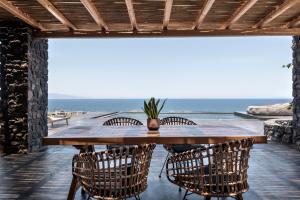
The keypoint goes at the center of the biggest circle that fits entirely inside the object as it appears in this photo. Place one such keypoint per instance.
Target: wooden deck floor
(274, 174)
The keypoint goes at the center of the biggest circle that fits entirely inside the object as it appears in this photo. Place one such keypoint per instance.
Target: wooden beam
(167, 14)
(239, 13)
(202, 13)
(8, 6)
(131, 14)
(275, 13)
(171, 33)
(294, 22)
(94, 12)
(56, 13)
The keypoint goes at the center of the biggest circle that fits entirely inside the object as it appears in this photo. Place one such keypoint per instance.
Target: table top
(198, 134)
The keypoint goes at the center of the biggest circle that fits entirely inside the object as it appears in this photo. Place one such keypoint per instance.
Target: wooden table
(198, 134)
(84, 137)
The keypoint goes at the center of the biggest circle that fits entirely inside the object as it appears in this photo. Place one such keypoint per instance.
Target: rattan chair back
(115, 174)
(122, 121)
(176, 121)
(217, 171)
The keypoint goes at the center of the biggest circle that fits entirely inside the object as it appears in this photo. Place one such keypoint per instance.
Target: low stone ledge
(279, 130)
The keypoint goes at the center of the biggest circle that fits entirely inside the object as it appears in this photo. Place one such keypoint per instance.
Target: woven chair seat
(179, 148)
(214, 179)
(114, 174)
(217, 171)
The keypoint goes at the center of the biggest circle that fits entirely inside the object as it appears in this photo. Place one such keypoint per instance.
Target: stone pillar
(296, 89)
(37, 93)
(24, 82)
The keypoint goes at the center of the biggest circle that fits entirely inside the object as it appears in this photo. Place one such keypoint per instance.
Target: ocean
(190, 108)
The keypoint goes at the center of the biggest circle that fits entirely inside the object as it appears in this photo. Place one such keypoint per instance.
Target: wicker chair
(177, 148)
(115, 174)
(176, 121)
(122, 121)
(217, 171)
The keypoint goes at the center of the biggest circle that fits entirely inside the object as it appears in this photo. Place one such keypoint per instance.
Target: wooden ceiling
(147, 18)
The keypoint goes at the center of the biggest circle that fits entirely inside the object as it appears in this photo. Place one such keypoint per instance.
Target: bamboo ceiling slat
(118, 21)
(20, 14)
(149, 14)
(218, 16)
(75, 11)
(287, 16)
(4, 15)
(131, 14)
(57, 14)
(258, 11)
(35, 10)
(150, 17)
(184, 14)
(95, 13)
(202, 14)
(238, 13)
(280, 9)
(295, 22)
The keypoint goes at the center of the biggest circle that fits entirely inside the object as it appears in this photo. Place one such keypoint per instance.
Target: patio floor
(274, 174)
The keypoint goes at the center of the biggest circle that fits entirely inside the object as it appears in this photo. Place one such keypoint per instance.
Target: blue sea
(192, 108)
(172, 105)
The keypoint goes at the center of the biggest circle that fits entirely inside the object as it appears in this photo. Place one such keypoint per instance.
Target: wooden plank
(204, 134)
(145, 140)
(294, 22)
(167, 14)
(131, 14)
(239, 13)
(202, 13)
(56, 13)
(8, 6)
(95, 13)
(275, 13)
(171, 33)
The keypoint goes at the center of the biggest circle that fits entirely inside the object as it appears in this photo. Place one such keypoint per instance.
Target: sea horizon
(183, 105)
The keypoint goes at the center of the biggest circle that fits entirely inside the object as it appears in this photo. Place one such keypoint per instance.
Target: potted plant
(152, 108)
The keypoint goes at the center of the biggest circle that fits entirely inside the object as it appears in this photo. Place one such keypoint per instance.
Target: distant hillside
(63, 96)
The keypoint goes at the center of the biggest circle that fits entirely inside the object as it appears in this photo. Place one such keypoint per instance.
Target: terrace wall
(296, 89)
(24, 89)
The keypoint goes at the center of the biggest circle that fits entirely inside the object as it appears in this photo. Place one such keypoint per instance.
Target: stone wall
(37, 93)
(296, 89)
(24, 83)
(279, 130)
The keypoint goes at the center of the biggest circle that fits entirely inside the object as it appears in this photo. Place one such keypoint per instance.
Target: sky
(203, 67)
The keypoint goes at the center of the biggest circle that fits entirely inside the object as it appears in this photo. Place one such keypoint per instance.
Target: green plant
(290, 65)
(152, 108)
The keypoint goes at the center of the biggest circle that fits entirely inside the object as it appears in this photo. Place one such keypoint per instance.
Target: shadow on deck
(274, 174)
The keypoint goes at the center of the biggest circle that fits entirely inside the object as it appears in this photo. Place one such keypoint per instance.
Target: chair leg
(82, 191)
(163, 165)
(239, 197)
(137, 197)
(179, 189)
(185, 194)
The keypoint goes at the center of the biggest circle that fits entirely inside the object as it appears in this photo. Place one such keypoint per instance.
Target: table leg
(73, 189)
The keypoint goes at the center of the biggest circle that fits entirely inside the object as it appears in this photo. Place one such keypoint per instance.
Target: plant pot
(153, 124)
